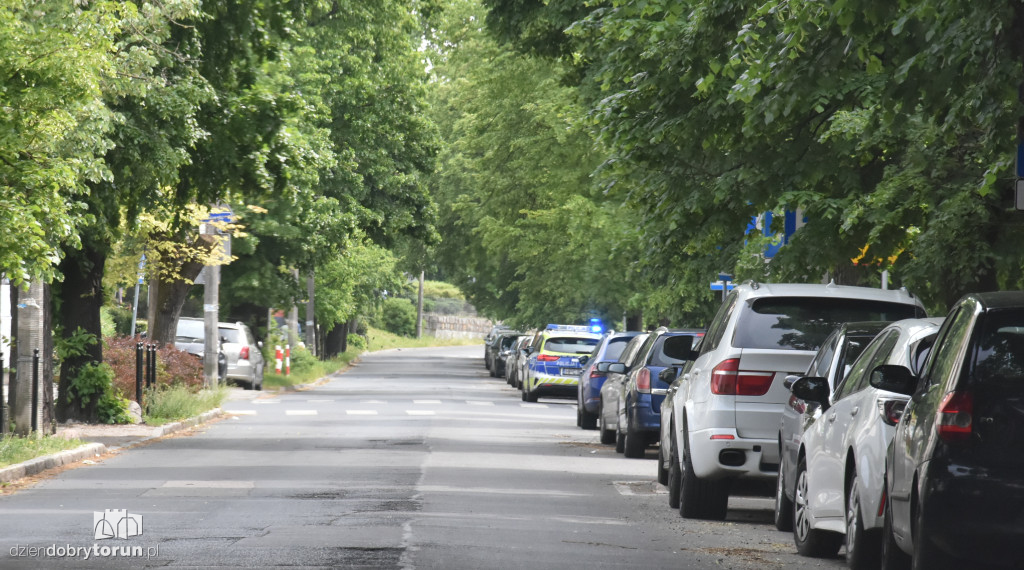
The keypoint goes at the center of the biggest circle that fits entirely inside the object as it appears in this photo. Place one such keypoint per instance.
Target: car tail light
(891, 410)
(881, 503)
(595, 374)
(643, 380)
(728, 380)
(955, 416)
(244, 353)
(546, 357)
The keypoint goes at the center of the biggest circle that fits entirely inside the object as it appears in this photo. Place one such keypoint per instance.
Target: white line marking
(319, 401)
(373, 402)
(426, 401)
(421, 412)
(534, 405)
(300, 412)
(266, 401)
(361, 412)
(479, 403)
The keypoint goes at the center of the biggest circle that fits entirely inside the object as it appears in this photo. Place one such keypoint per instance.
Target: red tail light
(596, 374)
(244, 353)
(643, 380)
(955, 417)
(728, 380)
(891, 410)
(546, 357)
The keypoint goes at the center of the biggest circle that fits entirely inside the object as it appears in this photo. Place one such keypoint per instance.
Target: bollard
(277, 359)
(151, 380)
(287, 359)
(138, 373)
(148, 364)
(35, 390)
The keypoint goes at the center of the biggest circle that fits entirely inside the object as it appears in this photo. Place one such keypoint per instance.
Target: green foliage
(94, 385)
(398, 315)
(441, 290)
(77, 344)
(302, 360)
(356, 342)
(15, 449)
(168, 403)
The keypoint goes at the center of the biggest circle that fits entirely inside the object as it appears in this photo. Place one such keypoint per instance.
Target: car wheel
(675, 476)
(783, 505)
(893, 557)
(607, 435)
(634, 444)
(809, 541)
(528, 396)
(926, 555)
(863, 546)
(700, 498)
(620, 440)
(662, 472)
(248, 385)
(588, 420)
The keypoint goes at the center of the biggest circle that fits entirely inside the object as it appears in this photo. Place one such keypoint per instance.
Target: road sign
(717, 285)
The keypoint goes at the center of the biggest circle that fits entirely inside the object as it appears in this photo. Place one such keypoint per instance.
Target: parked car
(244, 355)
(500, 351)
(489, 341)
(608, 411)
(832, 362)
(841, 460)
(954, 477)
(726, 411)
(642, 391)
(512, 360)
(588, 395)
(523, 360)
(190, 336)
(554, 362)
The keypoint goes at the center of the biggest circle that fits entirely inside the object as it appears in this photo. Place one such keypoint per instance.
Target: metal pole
(3, 399)
(152, 365)
(138, 373)
(35, 390)
(211, 310)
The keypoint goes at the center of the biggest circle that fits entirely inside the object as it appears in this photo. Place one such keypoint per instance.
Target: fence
(446, 326)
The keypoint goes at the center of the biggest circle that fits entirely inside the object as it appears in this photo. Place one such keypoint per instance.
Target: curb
(40, 464)
(46, 462)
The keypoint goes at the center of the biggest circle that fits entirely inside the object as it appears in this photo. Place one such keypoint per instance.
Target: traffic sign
(717, 285)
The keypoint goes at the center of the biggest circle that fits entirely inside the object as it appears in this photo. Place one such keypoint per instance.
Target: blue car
(588, 396)
(644, 389)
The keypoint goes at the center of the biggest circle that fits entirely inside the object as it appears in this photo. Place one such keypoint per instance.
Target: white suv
(728, 401)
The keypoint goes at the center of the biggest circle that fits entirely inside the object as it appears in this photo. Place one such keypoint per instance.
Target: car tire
(811, 542)
(528, 396)
(926, 555)
(701, 498)
(675, 475)
(783, 504)
(893, 557)
(620, 440)
(607, 435)
(588, 420)
(634, 445)
(863, 546)
(662, 472)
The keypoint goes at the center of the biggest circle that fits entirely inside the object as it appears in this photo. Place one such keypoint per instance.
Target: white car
(728, 402)
(244, 357)
(608, 408)
(841, 462)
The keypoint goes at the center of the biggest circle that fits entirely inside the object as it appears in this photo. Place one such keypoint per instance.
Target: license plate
(571, 371)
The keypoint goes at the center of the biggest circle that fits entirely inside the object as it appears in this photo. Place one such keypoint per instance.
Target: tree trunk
(80, 298)
(168, 300)
(46, 371)
(334, 340)
(12, 358)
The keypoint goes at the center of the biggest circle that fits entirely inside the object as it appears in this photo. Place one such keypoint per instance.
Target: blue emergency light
(596, 326)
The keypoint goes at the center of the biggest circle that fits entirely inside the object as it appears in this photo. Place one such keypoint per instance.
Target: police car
(554, 362)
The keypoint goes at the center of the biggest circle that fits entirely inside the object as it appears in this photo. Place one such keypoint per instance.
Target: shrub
(173, 367)
(302, 360)
(177, 402)
(95, 381)
(356, 342)
(398, 316)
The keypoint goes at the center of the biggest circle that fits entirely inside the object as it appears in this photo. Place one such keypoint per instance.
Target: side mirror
(812, 389)
(680, 347)
(259, 344)
(894, 378)
(617, 367)
(603, 366)
(668, 375)
(584, 359)
(529, 350)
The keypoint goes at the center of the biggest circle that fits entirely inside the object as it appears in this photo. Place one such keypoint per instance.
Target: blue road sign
(717, 286)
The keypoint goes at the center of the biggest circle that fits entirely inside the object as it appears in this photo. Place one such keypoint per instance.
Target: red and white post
(287, 359)
(277, 359)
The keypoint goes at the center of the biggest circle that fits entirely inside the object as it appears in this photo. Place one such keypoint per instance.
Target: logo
(116, 523)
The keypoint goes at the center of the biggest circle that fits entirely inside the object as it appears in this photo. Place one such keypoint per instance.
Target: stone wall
(447, 326)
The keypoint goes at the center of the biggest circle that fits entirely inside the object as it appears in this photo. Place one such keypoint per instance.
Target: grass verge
(174, 403)
(381, 340)
(15, 449)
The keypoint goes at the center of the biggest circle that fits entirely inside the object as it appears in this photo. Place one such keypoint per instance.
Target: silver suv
(728, 401)
(244, 355)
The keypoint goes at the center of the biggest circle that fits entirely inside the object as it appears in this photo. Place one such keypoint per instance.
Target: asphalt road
(412, 459)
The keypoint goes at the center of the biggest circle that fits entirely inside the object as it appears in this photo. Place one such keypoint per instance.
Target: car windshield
(570, 344)
(1000, 348)
(671, 344)
(615, 347)
(507, 342)
(190, 331)
(803, 323)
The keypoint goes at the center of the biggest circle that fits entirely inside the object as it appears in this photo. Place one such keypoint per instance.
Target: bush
(356, 342)
(121, 318)
(177, 402)
(95, 381)
(398, 316)
(173, 367)
(302, 360)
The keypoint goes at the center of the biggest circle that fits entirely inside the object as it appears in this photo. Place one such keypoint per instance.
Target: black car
(502, 349)
(955, 468)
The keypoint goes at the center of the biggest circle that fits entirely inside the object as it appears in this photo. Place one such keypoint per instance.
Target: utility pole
(419, 309)
(310, 315)
(211, 311)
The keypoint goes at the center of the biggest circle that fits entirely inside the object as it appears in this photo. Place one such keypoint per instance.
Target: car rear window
(189, 330)
(570, 344)
(615, 347)
(803, 323)
(232, 335)
(999, 356)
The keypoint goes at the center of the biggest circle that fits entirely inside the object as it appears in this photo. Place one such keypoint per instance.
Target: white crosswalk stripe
(421, 412)
(361, 412)
(300, 412)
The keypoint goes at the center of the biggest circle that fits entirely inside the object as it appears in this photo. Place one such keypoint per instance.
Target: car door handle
(854, 411)
(832, 417)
